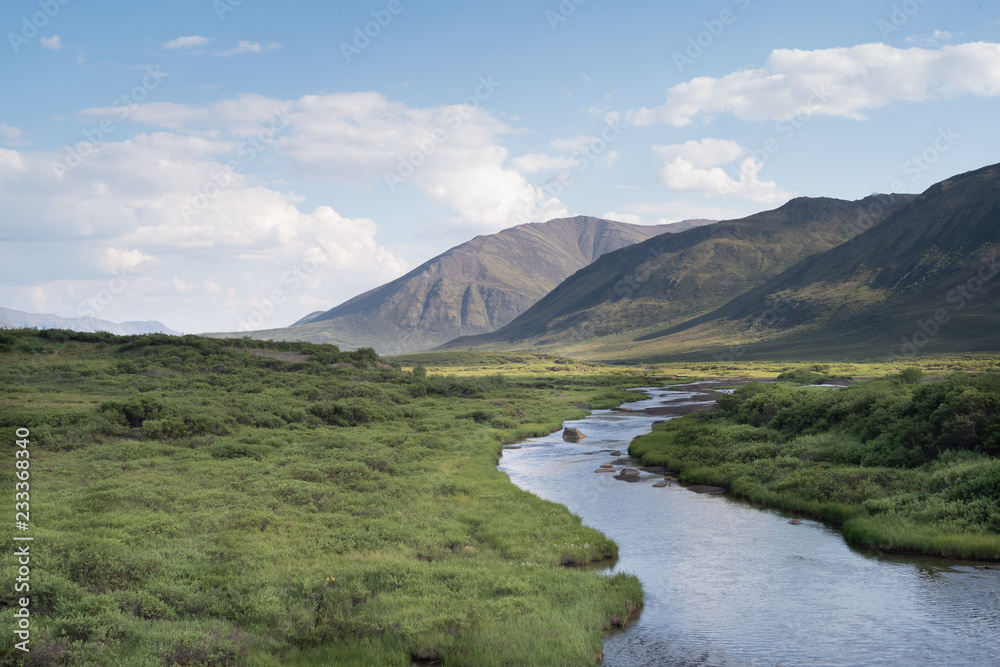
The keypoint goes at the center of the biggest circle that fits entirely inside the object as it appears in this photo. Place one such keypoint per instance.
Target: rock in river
(605, 470)
(573, 434)
(607, 465)
(628, 475)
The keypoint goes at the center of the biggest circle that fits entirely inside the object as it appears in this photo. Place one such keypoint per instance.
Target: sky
(233, 165)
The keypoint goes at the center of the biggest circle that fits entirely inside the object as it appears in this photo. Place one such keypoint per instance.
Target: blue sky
(227, 164)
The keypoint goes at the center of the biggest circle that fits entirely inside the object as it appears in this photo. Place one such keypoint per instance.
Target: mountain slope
(472, 288)
(671, 278)
(17, 319)
(924, 280)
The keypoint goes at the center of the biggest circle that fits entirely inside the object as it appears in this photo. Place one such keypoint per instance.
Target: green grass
(195, 504)
(901, 465)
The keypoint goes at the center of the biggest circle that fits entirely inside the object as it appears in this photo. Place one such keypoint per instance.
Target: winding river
(727, 583)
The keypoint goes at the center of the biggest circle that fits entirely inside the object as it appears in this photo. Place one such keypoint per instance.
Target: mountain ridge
(477, 286)
(669, 279)
(19, 319)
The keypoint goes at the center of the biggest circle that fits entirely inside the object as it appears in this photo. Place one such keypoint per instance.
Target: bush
(355, 412)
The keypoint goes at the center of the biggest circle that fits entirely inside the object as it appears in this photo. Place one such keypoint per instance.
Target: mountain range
(476, 287)
(672, 278)
(920, 276)
(17, 319)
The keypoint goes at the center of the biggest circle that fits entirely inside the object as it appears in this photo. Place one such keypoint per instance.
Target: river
(728, 583)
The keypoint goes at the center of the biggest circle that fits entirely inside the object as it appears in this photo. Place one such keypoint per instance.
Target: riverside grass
(195, 504)
(901, 465)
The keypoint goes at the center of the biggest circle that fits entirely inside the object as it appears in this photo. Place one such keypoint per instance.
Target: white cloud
(119, 260)
(451, 154)
(696, 166)
(12, 136)
(705, 153)
(578, 151)
(631, 218)
(114, 226)
(188, 42)
(845, 82)
(245, 46)
(53, 42)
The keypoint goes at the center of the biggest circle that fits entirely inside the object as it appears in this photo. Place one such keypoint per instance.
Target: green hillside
(923, 281)
(600, 310)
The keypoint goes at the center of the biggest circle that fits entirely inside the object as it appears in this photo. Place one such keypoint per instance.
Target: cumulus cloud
(451, 154)
(116, 234)
(846, 82)
(53, 43)
(245, 46)
(189, 42)
(119, 260)
(696, 166)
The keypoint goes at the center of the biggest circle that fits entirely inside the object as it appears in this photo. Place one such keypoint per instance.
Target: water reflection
(727, 583)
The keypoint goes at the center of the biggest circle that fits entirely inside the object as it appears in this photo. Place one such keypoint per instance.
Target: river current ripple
(727, 583)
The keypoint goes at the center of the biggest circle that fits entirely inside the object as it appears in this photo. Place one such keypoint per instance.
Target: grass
(901, 465)
(194, 503)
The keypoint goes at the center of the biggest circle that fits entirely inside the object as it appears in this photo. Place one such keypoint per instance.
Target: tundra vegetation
(902, 465)
(233, 502)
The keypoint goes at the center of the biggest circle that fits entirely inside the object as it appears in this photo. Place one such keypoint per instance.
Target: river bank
(905, 468)
(729, 583)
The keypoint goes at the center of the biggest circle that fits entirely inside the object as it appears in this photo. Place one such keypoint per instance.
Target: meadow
(234, 502)
(899, 463)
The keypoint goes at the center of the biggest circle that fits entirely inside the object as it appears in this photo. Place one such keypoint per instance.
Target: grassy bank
(900, 464)
(199, 501)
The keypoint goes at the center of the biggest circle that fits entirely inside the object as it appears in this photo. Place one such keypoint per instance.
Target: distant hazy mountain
(664, 281)
(475, 287)
(16, 319)
(926, 280)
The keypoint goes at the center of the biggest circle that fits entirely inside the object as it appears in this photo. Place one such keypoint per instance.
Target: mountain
(16, 319)
(599, 311)
(925, 280)
(472, 288)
